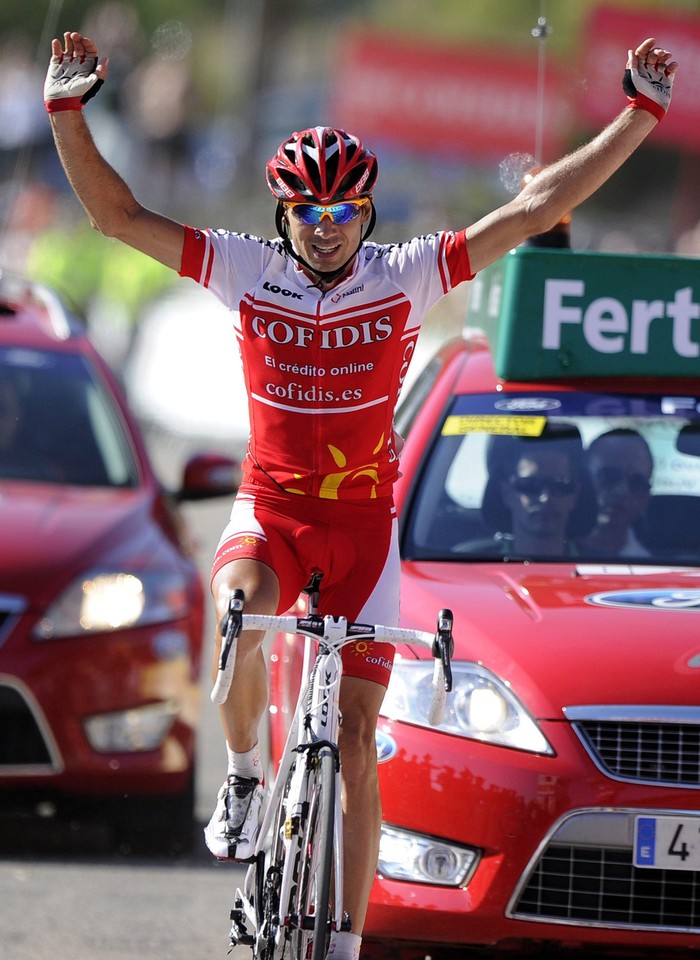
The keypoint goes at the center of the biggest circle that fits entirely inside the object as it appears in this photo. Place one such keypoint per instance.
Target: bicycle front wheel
(313, 895)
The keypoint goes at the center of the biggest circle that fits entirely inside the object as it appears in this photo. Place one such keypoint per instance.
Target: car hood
(564, 635)
(51, 533)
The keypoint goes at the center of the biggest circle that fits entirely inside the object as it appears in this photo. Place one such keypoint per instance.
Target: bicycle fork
(321, 721)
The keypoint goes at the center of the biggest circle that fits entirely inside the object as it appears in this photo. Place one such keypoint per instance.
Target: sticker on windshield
(459, 426)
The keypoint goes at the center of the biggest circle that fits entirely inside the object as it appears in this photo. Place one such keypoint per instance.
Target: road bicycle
(292, 895)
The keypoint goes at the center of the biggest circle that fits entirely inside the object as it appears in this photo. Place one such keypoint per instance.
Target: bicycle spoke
(271, 935)
(313, 901)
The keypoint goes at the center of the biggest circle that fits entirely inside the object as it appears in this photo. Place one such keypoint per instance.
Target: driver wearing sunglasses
(540, 494)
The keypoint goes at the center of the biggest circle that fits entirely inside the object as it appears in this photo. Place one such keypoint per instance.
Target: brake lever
(231, 626)
(444, 646)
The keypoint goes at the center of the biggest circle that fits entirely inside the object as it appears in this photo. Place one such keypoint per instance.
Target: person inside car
(621, 466)
(326, 323)
(538, 500)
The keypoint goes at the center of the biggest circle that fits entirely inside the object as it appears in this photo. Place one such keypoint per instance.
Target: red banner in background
(436, 99)
(609, 33)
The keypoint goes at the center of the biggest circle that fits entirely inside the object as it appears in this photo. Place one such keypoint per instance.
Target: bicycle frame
(315, 723)
(313, 731)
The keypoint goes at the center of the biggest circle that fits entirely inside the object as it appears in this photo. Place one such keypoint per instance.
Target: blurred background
(457, 97)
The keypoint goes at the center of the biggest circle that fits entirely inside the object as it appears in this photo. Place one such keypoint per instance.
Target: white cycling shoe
(232, 832)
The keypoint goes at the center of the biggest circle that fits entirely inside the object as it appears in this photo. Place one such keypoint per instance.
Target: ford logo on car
(653, 599)
(386, 746)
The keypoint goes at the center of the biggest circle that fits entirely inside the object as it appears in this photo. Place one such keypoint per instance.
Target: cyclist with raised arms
(326, 323)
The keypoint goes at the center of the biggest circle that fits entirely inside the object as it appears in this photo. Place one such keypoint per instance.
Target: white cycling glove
(648, 88)
(70, 83)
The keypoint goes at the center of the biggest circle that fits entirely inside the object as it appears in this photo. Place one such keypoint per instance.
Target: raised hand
(649, 78)
(74, 75)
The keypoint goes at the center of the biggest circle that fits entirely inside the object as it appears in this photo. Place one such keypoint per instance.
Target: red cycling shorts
(353, 543)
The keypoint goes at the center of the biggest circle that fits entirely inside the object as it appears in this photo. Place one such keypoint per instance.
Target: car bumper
(555, 838)
(100, 716)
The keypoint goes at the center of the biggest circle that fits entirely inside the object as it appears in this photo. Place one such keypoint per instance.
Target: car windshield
(556, 476)
(58, 424)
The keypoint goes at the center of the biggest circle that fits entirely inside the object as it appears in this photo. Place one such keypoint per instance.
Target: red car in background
(558, 805)
(101, 606)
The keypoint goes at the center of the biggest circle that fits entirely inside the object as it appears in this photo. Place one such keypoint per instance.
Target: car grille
(641, 744)
(585, 876)
(23, 746)
(645, 752)
(603, 887)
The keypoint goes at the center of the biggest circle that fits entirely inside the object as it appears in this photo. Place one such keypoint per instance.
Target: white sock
(246, 764)
(344, 945)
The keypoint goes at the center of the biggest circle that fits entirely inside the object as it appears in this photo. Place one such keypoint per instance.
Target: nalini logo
(336, 298)
(651, 599)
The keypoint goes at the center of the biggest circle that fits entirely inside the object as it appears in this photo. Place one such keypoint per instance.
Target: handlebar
(335, 632)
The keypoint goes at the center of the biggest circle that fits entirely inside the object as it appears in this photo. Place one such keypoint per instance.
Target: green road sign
(551, 314)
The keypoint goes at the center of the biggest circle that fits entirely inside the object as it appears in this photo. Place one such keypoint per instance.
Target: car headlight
(480, 706)
(105, 600)
(404, 855)
(130, 731)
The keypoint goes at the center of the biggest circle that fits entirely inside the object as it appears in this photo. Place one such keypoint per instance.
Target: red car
(101, 606)
(555, 508)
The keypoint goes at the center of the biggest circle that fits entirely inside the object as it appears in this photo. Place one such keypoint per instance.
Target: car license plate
(667, 842)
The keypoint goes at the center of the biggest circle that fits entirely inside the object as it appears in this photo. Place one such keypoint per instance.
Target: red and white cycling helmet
(321, 165)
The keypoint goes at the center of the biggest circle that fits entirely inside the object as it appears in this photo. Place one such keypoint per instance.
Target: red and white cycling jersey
(323, 371)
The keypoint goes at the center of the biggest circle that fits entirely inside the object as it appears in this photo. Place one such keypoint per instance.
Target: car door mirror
(208, 475)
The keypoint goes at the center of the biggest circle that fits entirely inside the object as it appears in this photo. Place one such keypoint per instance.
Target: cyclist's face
(327, 245)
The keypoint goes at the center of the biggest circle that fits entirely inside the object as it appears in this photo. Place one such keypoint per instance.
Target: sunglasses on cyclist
(610, 477)
(313, 213)
(536, 486)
